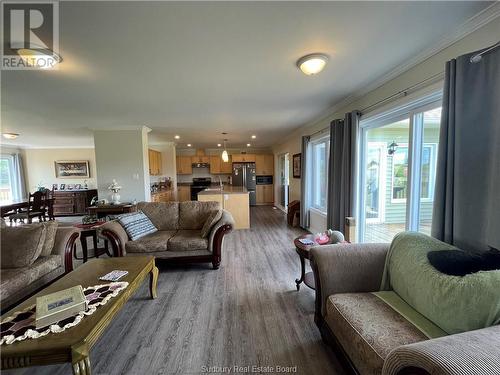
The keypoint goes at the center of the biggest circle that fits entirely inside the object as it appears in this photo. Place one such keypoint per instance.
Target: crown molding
(474, 23)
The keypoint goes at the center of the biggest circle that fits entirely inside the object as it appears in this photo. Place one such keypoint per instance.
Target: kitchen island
(233, 199)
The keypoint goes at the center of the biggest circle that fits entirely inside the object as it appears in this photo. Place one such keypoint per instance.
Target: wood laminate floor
(247, 313)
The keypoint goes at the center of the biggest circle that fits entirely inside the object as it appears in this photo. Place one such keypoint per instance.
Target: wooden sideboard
(67, 202)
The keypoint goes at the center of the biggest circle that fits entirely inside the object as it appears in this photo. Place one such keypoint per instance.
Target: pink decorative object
(322, 239)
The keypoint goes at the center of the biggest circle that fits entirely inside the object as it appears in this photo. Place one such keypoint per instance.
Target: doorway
(284, 172)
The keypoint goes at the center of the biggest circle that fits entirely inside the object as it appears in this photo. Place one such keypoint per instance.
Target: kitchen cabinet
(265, 194)
(264, 165)
(244, 158)
(161, 196)
(200, 159)
(234, 201)
(154, 162)
(215, 164)
(184, 165)
(183, 193)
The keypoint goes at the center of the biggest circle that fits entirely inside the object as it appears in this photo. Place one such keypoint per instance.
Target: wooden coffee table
(74, 344)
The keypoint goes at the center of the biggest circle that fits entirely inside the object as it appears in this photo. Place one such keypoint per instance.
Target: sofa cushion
(368, 329)
(164, 215)
(193, 214)
(185, 240)
(136, 224)
(22, 245)
(454, 303)
(213, 218)
(50, 237)
(15, 280)
(157, 241)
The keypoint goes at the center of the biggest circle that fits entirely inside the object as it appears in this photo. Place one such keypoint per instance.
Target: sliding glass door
(398, 154)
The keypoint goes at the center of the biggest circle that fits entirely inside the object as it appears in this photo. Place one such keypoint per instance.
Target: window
(398, 156)
(319, 176)
(7, 179)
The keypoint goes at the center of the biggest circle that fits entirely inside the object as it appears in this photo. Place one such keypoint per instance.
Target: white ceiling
(198, 69)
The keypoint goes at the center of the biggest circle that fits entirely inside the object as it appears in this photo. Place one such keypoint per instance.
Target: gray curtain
(467, 194)
(342, 170)
(304, 181)
(19, 173)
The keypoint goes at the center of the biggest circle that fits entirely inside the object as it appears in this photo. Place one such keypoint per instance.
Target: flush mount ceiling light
(189, 144)
(254, 136)
(312, 64)
(219, 145)
(42, 58)
(10, 135)
(177, 137)
(248, 144)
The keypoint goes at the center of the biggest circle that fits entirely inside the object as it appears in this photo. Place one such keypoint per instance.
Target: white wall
(123, 155)
(480, 38)
(39, 166)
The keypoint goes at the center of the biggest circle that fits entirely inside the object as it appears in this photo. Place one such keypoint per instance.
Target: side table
(90, 230)
(303, 251)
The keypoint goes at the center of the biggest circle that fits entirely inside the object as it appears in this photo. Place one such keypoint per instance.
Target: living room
(308, 187)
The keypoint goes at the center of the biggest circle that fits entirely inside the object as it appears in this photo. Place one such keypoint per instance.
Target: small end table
(303, 251)
(86, 231)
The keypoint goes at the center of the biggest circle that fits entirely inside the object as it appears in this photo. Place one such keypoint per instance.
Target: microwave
(264, 180)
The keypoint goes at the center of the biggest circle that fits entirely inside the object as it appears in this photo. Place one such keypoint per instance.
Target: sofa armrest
(346, 268)
(217, 233)
(473, 352)
(64, 244)
(113, 232)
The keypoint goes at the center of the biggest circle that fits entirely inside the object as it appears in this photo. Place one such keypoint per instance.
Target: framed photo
(78, 186)
(296, 165)
(62, 187)
(70, 187)
(54, 186)
(72, 169)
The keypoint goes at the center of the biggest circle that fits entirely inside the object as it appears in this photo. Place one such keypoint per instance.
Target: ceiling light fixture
(42, 58)
(312, 64)
(177, 137)
(10, 135)
(248, 144)
(254, 136)
(225, 155)
(189, 144)
(219, 145)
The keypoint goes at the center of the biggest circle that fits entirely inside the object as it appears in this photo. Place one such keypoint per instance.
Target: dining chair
(36, 208)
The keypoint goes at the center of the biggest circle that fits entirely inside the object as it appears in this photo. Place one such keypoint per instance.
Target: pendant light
(225, 155)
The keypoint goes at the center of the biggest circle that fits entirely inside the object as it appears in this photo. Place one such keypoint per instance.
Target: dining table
(14, 205)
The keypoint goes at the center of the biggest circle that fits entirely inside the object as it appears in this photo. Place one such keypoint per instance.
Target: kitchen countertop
(228, 189)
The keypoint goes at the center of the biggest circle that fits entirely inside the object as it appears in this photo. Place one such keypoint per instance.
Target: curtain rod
(403, 92)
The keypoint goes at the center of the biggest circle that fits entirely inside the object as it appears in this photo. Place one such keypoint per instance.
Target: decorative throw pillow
(461, 263)
(22, 245)
(50, 237)
(212, 218)
(136, 224)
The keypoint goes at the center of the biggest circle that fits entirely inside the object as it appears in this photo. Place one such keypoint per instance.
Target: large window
(7, 179)
(398, 154)
(319, 175)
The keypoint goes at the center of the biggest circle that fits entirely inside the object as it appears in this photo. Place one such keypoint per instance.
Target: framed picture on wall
(54, 187)
(78, 186)
(296, 160)
(72, 169)
(62, 187)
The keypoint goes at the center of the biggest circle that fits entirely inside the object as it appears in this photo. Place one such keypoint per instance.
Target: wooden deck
(383, 232)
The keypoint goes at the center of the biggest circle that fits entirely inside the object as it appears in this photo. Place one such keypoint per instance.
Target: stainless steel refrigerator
(244, 175)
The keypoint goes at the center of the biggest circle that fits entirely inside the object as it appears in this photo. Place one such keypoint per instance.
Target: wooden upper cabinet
(264, 165)
(244, 158)
(154, 162)
(215, 164)
(226, 167)
(184, 165)
(200, 159)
